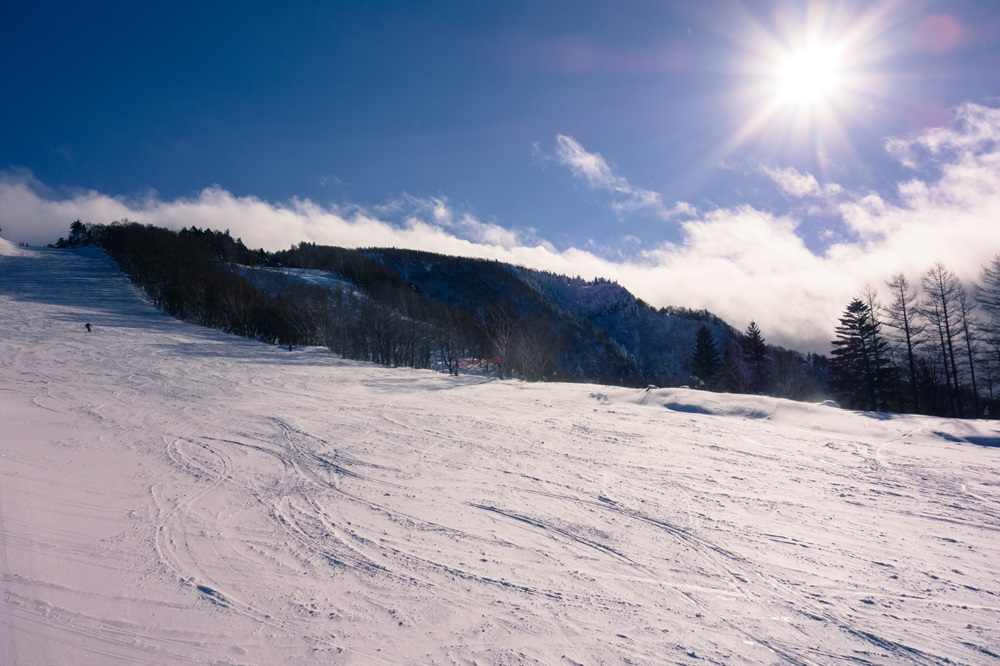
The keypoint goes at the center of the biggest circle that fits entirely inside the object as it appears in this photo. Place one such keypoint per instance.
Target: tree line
(748, 364)
(933, 348)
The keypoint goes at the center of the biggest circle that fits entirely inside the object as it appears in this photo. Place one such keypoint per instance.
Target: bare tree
(902, 317)
(967, 326)
(987, 294)
(451, 333)
(733, 371)
(939, 307)
(532, 352)
(499, 325)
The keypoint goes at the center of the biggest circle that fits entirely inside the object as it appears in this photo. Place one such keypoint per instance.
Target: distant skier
(87, 326)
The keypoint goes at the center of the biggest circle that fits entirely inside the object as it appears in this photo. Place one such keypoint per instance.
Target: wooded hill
(424, 310)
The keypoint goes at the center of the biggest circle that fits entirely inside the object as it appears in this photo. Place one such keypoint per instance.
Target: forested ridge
(424, 310)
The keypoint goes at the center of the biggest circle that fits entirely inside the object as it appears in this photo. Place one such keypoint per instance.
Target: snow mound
(825, 416)
(717, 404)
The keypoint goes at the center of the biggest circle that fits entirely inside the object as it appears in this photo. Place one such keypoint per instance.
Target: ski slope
(173, 495)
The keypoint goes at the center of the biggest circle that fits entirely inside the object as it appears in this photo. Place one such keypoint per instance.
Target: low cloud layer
(740, 262)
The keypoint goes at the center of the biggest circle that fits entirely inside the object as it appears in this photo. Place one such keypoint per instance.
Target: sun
(805, 77)
(808, 77)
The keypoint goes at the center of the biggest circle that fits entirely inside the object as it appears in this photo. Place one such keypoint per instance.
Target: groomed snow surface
(173, 495)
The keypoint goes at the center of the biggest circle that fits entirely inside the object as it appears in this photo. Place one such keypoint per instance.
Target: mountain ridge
(423, 309)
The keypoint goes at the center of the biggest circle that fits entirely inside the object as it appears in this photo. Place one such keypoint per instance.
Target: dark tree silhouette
(756, 359)
(859, 368)
(706, 364)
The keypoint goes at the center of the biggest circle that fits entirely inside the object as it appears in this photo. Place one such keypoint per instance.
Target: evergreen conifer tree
(706, 363)
(757, 360)
(859, 365)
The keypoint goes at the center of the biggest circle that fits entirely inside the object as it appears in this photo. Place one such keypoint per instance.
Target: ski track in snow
(170, 495)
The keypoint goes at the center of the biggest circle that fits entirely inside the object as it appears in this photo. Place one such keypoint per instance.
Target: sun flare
(808, 77)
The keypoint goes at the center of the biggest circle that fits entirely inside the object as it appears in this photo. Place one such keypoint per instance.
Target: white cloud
(598, 174)
(793, 183)
(975, 130)
(590, 166)
(30, 212)
(740, 263)
(437, 212)
(746, 264)
(682, 208)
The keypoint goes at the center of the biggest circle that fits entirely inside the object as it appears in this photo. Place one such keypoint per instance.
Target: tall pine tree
(757, 361)
(706, 364)
(859, 366)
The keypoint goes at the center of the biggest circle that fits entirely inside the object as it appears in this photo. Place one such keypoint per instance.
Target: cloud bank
(741, 263)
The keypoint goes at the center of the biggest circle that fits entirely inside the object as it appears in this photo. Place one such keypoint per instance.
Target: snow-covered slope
(172, 495)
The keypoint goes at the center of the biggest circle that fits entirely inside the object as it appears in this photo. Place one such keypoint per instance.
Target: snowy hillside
(173, 495)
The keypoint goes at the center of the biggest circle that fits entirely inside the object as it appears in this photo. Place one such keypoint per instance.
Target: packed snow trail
(170, 494)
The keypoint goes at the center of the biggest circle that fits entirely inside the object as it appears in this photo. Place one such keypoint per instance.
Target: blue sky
(657, 143)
